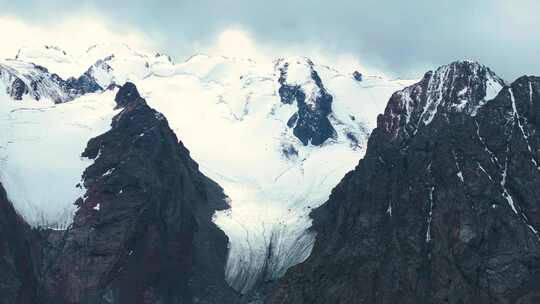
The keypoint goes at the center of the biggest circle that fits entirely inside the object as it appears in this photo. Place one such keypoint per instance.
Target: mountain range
(128, 178)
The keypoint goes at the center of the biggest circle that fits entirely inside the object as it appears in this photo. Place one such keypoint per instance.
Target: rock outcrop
(310, 123)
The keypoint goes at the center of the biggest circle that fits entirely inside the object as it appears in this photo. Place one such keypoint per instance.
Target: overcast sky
(402, 38)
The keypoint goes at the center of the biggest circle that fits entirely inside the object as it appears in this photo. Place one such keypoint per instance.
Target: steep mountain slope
(18, 270)
(143, 232)
(443, 208)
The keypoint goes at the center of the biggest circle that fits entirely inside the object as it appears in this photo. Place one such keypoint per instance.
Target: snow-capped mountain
(277, 136)
(20, 78)
(64, 64)
(106, 63)
(462, 86)
(444, 206)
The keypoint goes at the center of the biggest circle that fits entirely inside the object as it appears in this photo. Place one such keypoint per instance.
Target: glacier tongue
(228, 112)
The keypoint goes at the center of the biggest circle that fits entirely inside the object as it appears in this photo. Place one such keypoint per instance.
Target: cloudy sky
(401, 38)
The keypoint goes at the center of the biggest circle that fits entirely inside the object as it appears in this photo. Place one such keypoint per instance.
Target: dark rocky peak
(459, 87)
(84, 84)
(127, 94)
(453, 218)
(300, 84)
(143, 232)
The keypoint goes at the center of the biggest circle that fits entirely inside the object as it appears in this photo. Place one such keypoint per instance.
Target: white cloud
(237, 42)
(74, 34)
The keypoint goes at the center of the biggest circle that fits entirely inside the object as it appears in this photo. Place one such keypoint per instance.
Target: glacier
(40, 153)
(229, 113)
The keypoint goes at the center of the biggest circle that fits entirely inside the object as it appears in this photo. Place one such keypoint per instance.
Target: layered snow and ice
(40, 153)
(229, 113)
(64, 64)
(22, 78)
(107, 63)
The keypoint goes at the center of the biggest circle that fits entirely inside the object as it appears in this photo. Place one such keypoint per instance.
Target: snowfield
(40, 148)
(228, 113)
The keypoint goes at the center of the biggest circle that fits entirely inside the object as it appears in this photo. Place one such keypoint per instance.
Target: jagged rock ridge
(461, 86)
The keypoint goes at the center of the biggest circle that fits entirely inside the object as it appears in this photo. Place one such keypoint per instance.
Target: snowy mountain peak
(122, 51)
(461, 86)
(21, 79)
(119, 49)
(467, 84)
(113, 63)
(54, 58)
(163, 58)
(47, 51)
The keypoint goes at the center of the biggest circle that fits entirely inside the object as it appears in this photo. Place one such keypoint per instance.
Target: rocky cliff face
(444, 208)
(18, 269)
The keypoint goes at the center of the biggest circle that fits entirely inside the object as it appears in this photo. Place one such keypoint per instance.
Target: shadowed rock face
(444, 210)
(18, 272)
(143, 232)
